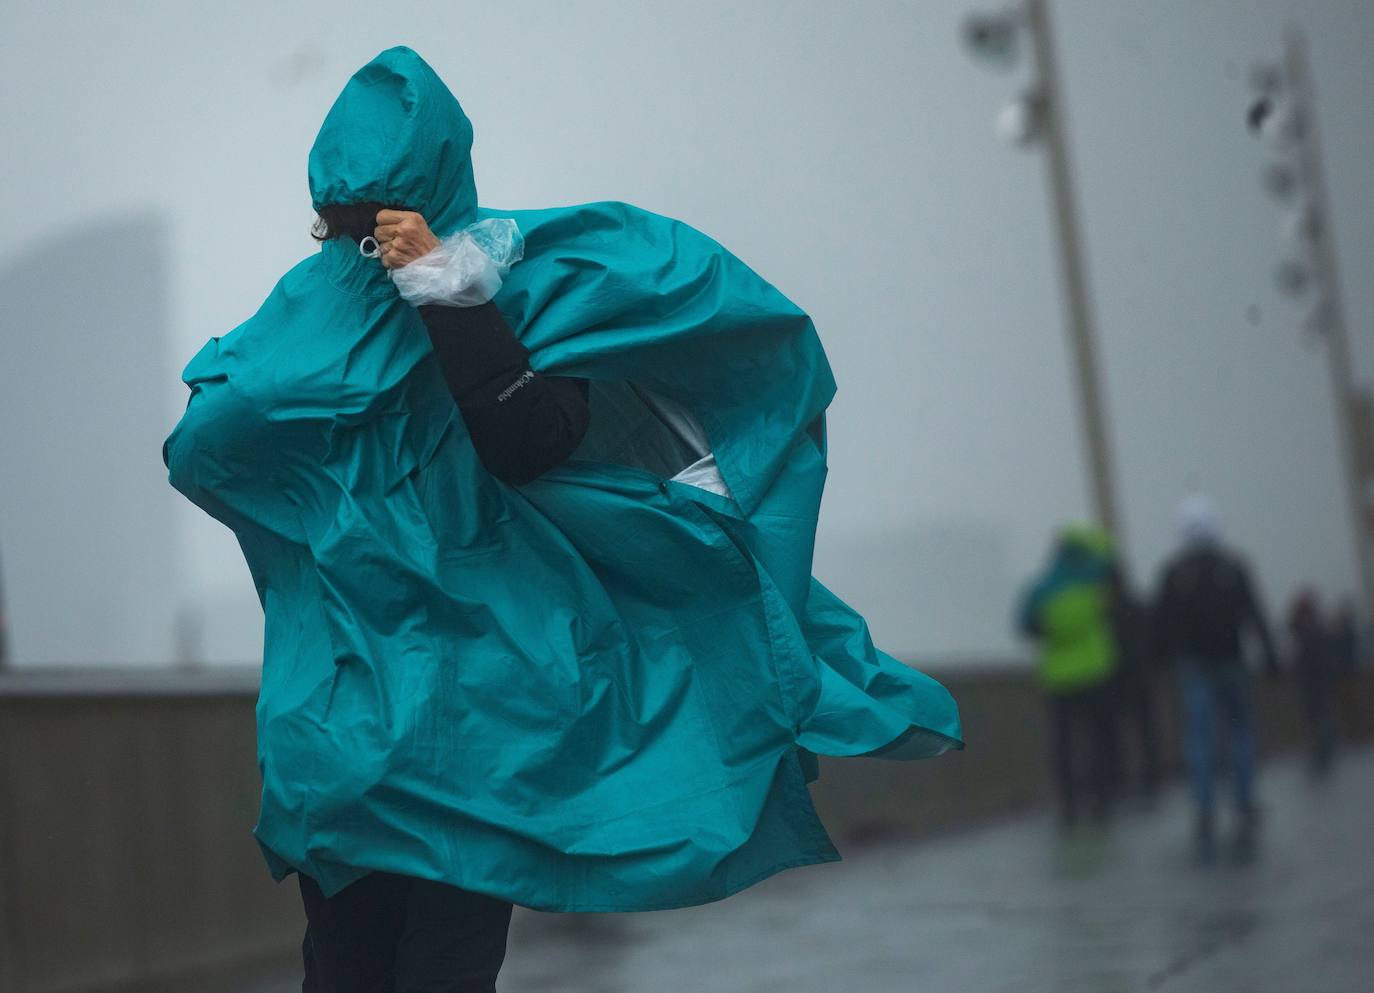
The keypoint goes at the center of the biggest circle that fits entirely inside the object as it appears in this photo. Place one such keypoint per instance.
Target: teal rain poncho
(600, 691)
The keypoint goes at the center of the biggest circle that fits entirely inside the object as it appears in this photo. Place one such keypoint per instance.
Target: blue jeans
(1216, 689)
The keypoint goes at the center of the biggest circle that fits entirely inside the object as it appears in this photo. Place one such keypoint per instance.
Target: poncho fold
(603, 690)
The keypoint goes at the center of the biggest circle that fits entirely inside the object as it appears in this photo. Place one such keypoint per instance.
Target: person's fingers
(402, 236)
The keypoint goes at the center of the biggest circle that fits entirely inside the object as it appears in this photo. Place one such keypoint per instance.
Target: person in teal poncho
(529, 499)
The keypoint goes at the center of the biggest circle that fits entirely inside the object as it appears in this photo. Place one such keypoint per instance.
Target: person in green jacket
(529, 499)
(1070, 611)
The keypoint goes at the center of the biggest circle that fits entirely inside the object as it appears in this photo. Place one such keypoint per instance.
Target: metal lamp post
(1284, 115)
(1037, 116)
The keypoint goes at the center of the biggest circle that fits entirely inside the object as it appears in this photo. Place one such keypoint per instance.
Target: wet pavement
(1018, 907)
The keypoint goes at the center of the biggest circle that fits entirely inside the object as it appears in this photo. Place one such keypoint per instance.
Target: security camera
(1302, 226)
(1259, 112)
(1291, 278)
(1276, 122)
(992, 38)
(1020, 122)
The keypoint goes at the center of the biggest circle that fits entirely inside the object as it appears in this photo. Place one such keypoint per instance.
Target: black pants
(1083, 749)
(396, 934)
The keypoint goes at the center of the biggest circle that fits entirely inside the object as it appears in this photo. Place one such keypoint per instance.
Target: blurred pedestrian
(1204, 607)
(1314, 664)
(1068, 610)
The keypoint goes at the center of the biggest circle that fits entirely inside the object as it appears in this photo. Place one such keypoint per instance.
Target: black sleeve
(521, 422)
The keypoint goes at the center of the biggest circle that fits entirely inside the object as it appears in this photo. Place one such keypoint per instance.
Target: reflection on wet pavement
(1016, 907)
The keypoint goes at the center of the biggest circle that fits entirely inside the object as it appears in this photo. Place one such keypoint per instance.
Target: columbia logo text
(504, 395)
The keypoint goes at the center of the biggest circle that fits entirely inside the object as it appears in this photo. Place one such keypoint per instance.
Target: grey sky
(847, 153)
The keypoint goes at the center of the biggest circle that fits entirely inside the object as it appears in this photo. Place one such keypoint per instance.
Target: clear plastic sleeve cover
(466, 269)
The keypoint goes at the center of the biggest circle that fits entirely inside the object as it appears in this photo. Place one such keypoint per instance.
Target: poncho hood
(396, 135)
(1084, 543)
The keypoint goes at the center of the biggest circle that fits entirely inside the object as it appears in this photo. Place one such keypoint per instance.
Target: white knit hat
(1197, 520)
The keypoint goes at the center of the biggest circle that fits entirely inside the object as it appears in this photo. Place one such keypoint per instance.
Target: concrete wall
(126, 861)
(125, 853)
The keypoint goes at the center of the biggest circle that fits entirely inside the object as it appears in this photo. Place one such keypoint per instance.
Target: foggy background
(155, 189)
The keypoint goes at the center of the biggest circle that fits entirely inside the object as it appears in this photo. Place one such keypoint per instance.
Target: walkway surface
(1017, 907)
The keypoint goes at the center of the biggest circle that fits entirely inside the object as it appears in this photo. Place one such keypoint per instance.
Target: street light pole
(1092, 416)
(1038, 115)
(1330, 314)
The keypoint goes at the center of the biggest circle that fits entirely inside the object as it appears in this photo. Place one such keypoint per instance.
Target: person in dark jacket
(1204, 609)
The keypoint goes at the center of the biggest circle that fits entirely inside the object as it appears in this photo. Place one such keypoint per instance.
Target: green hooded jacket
(603, 690)
(1069, 609)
